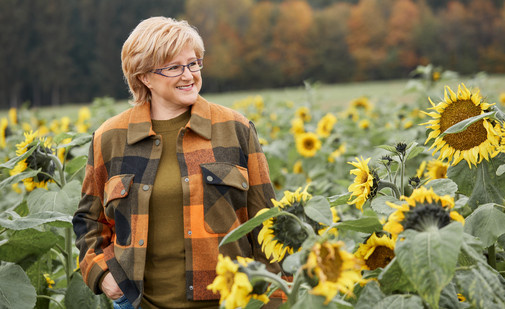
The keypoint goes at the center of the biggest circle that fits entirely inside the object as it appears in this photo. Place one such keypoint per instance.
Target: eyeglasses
(177, 70)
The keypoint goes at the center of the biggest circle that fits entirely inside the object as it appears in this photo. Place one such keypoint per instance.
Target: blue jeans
(122, 303)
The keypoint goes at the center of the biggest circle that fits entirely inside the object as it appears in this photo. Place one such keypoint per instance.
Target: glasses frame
(184, 66)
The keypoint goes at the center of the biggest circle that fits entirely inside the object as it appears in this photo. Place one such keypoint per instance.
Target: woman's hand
(110, 287)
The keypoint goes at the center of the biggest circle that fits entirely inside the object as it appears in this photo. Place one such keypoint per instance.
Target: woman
(167, 179)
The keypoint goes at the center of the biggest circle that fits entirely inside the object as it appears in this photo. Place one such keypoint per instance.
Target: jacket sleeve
(259, 196)
(93, 231)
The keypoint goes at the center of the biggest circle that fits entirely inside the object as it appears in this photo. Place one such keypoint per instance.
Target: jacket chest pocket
(116, 190)
(225, 188)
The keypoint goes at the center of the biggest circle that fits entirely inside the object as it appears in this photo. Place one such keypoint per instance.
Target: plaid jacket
(225, 181)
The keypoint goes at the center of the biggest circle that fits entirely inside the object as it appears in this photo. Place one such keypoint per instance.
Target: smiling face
(172, 96)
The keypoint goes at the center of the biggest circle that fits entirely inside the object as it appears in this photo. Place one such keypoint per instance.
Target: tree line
(66, 51)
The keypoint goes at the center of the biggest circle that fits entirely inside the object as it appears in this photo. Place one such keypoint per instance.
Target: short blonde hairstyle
(153, 42)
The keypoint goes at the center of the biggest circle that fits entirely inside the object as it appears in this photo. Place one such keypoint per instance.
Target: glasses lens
(196, 65)
(174, 70)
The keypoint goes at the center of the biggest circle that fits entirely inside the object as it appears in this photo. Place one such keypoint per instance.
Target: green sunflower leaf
(481, 285)
(340, 199)
(78, 295)
(364, 225)
(500, 170)
(21, 223)
(18, 177)
(76, 164)
(443, 186)
(370, 296)
(429, 258)
(64, 201)
(318, 209)
(464, 124)
(400, 302)
(16, 290)
(24, 247)
(414, 152)
(380, 207)
(12, 162)
(248, 226)
(481, 184)
(389, 148)
(392, 279)
(471, 251)
(486, 223)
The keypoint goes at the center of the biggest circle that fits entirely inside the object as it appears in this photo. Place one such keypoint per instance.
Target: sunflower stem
(68, 255)
(491, 256)
(402, 176)
(60, 169)
(297, 282)
(51, 299)
(272, 278)
(386, 184)
(307, 228)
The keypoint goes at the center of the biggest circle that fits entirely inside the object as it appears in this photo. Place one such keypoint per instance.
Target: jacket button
(157, 142)
(244, 185)
(210, 178)
(123, 192)
(189, 232)
(191, 288)
(141, 242)
(186, 179)
(145, 187)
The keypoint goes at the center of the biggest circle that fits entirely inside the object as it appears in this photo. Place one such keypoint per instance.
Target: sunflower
(297, 167)
(232, 282)
(303, 113)
(38, 159)
(331, 270)
(421, 171)
(365, 183)
(364, 124)
(325, 125)
(307, 144)
(502, 98)
(297, 126)
(376, 251)
(437, 169)
(284, 234)
(3, 132)
(424, 209)
(13, 116)
(362, 103)
(479, 141)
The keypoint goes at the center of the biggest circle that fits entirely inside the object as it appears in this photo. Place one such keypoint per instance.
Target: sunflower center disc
(380, 257)
(473, 136)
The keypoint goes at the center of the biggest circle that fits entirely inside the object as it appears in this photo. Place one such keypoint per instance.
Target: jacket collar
(140, 126)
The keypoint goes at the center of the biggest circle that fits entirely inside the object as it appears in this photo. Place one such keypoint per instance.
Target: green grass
(327, 97)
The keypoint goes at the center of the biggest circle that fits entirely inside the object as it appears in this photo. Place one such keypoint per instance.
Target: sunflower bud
(401, 148)
(414, 182)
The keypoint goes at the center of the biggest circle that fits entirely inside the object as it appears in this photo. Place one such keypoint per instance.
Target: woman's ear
(145, 80)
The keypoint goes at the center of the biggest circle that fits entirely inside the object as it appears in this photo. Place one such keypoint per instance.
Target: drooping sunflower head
(307, 144)
(284, 234)
(479, 141)
(424, 209)
(365, 183)
(376, 251)
(325, 125)
(233, 283)
(38, 159)
(331, 270)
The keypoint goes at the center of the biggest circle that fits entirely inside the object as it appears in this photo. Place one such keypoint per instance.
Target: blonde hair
(153, 42)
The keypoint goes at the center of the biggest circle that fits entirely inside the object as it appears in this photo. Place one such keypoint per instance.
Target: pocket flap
(221, 173)
(117, 187)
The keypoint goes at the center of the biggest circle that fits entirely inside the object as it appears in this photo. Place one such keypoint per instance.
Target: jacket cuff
(95, 278)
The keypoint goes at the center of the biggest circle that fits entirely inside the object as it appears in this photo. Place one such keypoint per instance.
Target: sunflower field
(382, 203)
